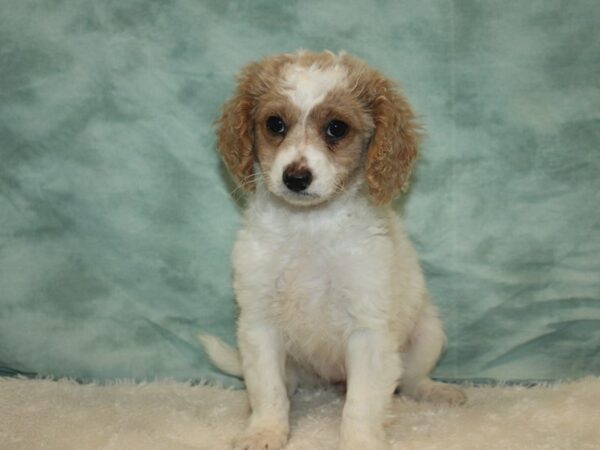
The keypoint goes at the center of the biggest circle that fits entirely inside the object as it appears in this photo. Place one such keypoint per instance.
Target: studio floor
(170, 415)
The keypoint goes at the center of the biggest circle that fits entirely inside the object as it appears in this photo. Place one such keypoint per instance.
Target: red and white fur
(327, 282)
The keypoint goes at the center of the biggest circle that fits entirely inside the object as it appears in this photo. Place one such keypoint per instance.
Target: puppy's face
(314, 122)
(310, 134)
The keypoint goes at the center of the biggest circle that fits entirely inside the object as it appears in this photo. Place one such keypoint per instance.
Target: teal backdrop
(117, 218)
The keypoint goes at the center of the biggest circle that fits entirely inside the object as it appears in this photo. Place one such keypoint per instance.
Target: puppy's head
(314, 122)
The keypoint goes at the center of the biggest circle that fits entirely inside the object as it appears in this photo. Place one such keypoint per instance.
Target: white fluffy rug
(65, 415)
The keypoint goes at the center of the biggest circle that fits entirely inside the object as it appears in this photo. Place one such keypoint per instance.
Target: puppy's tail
(222, 355)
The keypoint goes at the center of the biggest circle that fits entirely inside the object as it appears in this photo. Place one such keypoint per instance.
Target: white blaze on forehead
(308, 86)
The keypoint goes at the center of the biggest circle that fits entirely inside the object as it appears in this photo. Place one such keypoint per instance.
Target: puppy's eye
(336, 129)
(276, 125)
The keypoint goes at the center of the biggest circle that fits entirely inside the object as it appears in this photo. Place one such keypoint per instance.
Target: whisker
(244, 183)
(267, 177)
(339, 186)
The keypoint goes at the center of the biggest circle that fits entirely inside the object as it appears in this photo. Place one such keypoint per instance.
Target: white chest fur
(318, 274)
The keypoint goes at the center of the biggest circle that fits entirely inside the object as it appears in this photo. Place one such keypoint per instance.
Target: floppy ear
(235, 139)
(394, 145)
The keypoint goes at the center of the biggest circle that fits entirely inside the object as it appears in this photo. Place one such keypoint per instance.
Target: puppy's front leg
(372, 370)
(263, 360)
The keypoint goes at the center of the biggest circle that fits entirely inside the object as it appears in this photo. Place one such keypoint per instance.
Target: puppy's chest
(309, 281)
(309, 285)
(310, 306)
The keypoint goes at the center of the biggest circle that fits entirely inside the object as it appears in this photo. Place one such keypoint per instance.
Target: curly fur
(328, 284)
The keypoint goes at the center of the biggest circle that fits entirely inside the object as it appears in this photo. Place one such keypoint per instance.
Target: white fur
(334, 290)
(308, 86)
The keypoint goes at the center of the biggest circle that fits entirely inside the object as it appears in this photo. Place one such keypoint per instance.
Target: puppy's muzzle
(297, 178)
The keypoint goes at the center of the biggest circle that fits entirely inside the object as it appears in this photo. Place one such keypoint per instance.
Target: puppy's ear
(235, 135)
(395, 142)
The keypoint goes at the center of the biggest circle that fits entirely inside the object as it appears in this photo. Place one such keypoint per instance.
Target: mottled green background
(116, 219)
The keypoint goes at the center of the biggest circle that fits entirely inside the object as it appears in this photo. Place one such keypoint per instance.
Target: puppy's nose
(296, 178)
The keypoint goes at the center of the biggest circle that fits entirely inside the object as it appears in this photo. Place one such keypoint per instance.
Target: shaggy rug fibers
(167, 415)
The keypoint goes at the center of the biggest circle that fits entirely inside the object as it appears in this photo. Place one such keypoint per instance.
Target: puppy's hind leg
(426, 344)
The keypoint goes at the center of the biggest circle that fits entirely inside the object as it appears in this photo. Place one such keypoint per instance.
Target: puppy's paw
(437, 392)
(261, 438)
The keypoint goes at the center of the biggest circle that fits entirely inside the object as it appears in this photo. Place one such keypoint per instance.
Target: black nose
(296, 178)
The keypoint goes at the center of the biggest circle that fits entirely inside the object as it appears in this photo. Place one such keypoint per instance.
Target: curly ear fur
(235, 136)
(394, 146)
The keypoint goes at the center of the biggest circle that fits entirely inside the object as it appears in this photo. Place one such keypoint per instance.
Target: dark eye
(276, 125)
(336, 129)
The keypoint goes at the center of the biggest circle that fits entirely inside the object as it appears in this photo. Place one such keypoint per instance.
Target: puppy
(327, 282)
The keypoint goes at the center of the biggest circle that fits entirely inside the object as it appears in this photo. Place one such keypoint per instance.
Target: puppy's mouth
(301, 198)
(301, 194)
